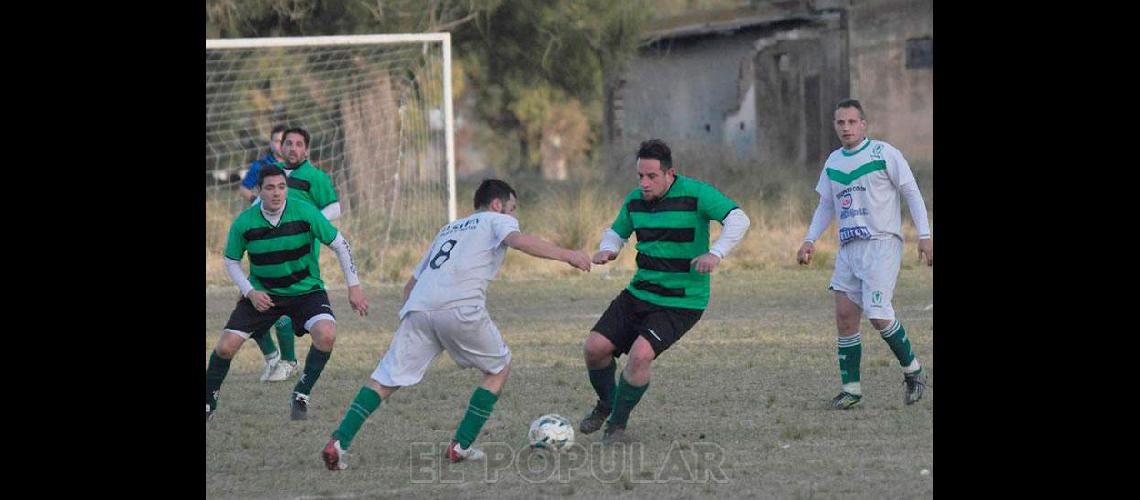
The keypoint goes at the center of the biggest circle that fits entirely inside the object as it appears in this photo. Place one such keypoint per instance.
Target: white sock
(912, 367)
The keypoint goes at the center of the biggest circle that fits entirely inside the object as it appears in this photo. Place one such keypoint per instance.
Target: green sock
(850, 353)
(286, 336)
(215, 374)
(895, 336)
(625, 398)
(265, 343)
(366, 402)
(314, 365)
(478, 409)
(603, 381)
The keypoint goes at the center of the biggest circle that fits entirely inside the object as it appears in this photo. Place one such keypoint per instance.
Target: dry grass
(750, 378)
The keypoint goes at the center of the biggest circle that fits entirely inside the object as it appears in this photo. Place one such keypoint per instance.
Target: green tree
(551, 61)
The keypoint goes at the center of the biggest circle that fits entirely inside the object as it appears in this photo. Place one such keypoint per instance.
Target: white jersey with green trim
(465, 256)
(864, 186)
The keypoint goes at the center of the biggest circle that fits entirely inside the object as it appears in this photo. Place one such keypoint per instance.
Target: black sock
(215, 374)
(603, 381)
(314, 365)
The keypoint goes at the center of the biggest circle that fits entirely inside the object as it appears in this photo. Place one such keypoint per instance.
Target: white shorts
(867, 270)
(466, 333)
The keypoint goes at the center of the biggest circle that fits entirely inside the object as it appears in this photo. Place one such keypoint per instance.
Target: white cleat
(282, 370)
(333, 456)
(456, 453)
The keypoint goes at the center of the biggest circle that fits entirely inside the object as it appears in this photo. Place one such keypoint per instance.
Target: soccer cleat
(333, 455)
(614, 433)
(300, 406)
(915, 384)
(209, 412)
(595, 419)
(282, 370)
(845, 401)
(268, 370)
(456, 453)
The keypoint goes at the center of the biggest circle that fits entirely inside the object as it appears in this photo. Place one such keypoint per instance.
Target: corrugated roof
(724, 27)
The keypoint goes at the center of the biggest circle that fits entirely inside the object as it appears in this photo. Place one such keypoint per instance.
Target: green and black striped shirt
(309, 183)
(282, 259)
(671, 231)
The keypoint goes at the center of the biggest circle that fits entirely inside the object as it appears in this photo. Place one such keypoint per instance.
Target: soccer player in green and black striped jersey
(309, 184)
(281, 237)
(670, 214)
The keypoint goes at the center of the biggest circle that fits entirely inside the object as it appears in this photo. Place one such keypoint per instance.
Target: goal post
(380, 116)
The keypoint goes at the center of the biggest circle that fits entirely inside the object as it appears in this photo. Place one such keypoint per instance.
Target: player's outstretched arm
(608, 248)
(538, 247)
(603, 257)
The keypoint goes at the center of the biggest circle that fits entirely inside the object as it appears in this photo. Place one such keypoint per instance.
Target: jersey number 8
(444, 253)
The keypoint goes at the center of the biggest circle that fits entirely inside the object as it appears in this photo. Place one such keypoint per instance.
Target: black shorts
(629, 317)
(299, 308)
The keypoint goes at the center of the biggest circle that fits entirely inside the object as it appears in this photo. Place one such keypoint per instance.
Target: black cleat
(845, 401)
(594, 420)
(300, 406)
(614, 434)
(915, 384)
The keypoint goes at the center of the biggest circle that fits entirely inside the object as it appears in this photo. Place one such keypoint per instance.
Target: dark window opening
(920, 53)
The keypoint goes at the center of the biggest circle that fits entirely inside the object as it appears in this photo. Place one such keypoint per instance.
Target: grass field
(736, 408)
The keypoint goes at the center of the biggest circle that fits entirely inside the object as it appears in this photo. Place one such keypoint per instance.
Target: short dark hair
(267, 171)
(493, 189)
(656, 149)
(848, 103)
(297, 130)
(278, 130)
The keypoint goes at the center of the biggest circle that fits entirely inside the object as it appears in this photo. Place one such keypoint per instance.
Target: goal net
(378, 109)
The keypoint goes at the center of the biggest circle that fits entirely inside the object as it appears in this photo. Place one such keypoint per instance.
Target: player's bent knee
(324, 335)
(641, 354)
(848, 317)
(642, 359)
(225, 352)
(228, 345)
(502, 374)
(881, 324)
(597, 347)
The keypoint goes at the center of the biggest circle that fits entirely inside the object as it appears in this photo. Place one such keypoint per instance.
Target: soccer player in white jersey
(862, 184)
(444, 310)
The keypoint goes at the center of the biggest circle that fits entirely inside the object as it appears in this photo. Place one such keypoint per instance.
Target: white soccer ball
(552, 432)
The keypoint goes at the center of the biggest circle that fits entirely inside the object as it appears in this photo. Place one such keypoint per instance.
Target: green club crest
(877, 297)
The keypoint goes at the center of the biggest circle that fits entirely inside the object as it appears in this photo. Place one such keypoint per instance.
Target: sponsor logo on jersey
(854, 233)
(848, 191)
(466, 225)
(845, 201)
(846, 214)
